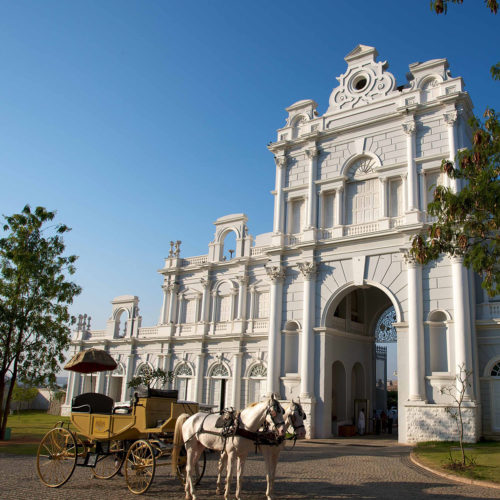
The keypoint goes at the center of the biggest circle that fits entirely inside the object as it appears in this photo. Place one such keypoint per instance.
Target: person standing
(361, 422)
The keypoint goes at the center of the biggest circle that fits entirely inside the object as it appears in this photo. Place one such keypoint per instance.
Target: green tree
(468, 220)
(23, 394)
(34, 298)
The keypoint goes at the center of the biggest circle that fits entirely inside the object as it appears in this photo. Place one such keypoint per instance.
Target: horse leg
(222, 464)
(239, 475)
(193, 455)
(229, 474)
(266, 454)
(274, 455)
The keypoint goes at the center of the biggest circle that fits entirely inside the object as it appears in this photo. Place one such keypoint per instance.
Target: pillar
(416, 363)
(451, 118)
(198, 388)
(242, 296)
(235, 402)
(172, 290)
(164, 310)
(339, 216)
(279, 201)
(383, 197)
(410, 128)
(461, 313)
(205, 306)
(312, 155)
(276, 274)
(308, 270)
(129, 373)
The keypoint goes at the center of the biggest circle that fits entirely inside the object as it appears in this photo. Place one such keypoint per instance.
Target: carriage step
(88, 460)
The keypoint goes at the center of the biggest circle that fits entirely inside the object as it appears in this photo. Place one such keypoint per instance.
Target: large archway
(358, 324)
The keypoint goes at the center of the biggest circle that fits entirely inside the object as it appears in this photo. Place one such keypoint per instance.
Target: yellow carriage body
(148, 415)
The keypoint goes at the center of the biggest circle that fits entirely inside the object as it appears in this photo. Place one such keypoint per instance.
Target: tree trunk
(5, 415)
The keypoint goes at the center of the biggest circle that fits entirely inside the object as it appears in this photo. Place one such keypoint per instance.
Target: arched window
(438, 341)
(121, 320)
(257, 383)
(430, 90)
(298, 126)
(229, 246)
(384, 330)
(362, 192)
(219, 387)
(495, 371)
(183, 381)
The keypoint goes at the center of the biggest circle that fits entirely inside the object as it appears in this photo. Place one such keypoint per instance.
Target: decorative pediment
(364, 81)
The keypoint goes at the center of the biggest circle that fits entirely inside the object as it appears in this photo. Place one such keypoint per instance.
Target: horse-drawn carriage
(138, 438)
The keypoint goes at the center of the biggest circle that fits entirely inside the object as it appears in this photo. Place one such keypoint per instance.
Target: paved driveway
(329, 468)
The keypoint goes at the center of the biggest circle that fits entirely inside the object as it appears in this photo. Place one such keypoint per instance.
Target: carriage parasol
(91, 360)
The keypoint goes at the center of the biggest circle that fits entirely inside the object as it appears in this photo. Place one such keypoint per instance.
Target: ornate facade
(296, 311)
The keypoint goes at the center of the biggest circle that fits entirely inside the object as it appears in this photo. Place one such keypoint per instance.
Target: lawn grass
(485, 454)
(28, 428)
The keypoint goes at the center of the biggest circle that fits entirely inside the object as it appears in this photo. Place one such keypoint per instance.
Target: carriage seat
(158, 393)
(92, 402)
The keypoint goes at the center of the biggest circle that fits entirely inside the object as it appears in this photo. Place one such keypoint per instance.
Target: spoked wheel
(56, 457)
(108, 466)
(140, 465)
(199, 469)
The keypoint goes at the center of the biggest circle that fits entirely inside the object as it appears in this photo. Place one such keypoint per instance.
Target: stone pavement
(357, 468)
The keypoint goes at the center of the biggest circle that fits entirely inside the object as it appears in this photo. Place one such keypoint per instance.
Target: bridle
(273, 410)
(296, 411)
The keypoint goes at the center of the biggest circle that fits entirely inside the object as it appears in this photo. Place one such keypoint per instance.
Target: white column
(242, 296)
(461, 312)
(279, 207)
(410, 129)
(172, 290)
(232, 314)
(164, 311)
(308, 270)
(405, 193)
(276, 274)
(416, 364)
(423, 197)
(339, 216)
(235, 402)
(312, 155)
(179, 307)
(205, 308)
(129, 373)
(99, 386)
(198, 390)
(197, 309)
(383, 197)
(167, 358)
(450, 118)
(72, 381)
(251, 313)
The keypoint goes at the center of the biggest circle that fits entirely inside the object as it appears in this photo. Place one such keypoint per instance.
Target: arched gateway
(298, 311)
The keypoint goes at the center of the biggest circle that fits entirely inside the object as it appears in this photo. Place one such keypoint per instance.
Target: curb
(452, 477)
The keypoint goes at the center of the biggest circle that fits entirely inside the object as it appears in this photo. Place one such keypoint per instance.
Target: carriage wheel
(56, 457)
(199, 469)
(140, 465)
(108, 466)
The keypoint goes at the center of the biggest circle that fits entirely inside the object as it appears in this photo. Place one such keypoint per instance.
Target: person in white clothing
(361, 422)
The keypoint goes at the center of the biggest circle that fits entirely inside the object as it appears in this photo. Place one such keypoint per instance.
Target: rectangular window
(362, 201)
(395, 198)
(328, 210)
(263, 305)
(296, 216)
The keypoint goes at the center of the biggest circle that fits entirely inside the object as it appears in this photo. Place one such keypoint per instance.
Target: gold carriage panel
(101, 426)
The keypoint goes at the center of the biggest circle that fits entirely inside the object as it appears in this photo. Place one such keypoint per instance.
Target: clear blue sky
(144, 121)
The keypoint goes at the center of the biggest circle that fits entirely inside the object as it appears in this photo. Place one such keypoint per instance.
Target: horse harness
(230, 424)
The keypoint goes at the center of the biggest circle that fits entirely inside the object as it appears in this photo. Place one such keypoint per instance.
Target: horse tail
(178, 440)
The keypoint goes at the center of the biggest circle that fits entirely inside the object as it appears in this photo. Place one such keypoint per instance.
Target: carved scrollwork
(451, 117)
(409, 127)
(280, 161)
(308, 269)
(275, 273)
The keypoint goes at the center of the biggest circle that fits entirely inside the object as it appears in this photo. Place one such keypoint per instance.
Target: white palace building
(301, 311)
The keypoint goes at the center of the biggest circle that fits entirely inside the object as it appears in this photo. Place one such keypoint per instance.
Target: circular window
(359, 82)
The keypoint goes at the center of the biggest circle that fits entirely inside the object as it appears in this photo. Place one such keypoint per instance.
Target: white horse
(294, 417)
(199, 431)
